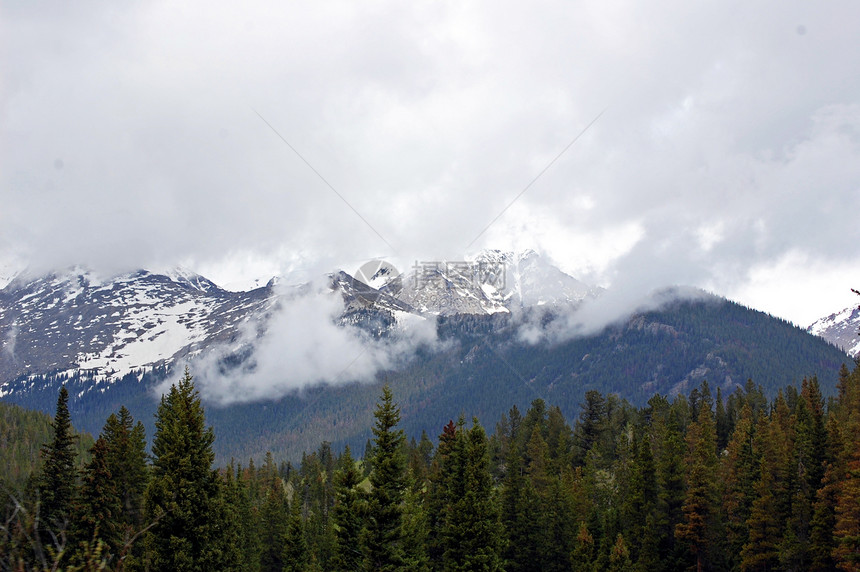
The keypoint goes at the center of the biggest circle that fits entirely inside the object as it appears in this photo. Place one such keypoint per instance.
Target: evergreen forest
(703, 481)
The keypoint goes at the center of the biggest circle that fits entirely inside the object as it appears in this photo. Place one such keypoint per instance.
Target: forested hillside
(701, 481)
(486, 369)
(22, 434)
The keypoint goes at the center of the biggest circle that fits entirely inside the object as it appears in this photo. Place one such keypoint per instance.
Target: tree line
(696, 482)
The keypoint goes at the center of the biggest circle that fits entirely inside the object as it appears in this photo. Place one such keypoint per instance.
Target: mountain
(491, 282)
(76, 322)
(840, 329)
(112, 341)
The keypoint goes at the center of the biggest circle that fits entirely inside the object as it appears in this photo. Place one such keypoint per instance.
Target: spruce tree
(582, 557)
(591, 425)
(771, 508)
(382, 541)
(296, 555)
(246, 525)
(439, 492)
(697, 530)
(184, 497)
(125, 459)
(56, 483)
(97, 508)
(671, 487)
(619, 556)
(473, 534)
(273, 527)
(846, 530)
(415, 554)
(348, 514)
(738, 473)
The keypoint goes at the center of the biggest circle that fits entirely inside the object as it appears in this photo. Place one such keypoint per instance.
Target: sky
(715, 144)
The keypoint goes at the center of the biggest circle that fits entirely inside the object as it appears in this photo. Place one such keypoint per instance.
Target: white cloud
(729, 142)
(303, 346)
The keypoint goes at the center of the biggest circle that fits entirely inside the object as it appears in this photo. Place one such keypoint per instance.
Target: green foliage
(698, 529)
(96, 513)
(273, 526)
(472, 532)
(22, 434)
(185, 495)
(58, 479)
(295, 546)
(125, 460)
(653, 488)
(382, 541)
(349, 510)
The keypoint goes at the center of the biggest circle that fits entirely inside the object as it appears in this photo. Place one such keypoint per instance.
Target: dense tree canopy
(698, 482)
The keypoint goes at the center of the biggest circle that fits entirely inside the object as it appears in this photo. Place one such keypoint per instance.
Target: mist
(302, 344)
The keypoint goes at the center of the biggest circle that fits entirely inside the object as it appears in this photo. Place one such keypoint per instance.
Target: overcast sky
(727, 155)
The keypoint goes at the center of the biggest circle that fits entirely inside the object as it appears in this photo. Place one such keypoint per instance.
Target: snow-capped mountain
(840, 329)
(76, 321)
(531, 280)
(491, 282)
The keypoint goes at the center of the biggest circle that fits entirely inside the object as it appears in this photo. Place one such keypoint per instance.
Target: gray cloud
(730, 144)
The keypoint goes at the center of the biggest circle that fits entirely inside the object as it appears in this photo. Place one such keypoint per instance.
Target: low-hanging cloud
(593, 315)
(303, 344)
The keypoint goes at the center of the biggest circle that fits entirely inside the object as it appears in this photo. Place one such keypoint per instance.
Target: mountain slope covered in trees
(486, 368)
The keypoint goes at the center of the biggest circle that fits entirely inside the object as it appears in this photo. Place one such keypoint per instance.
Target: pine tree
(591, 425)
(641, 498)
(846, 530)
(822, 544)
(247, 518)
(296, 556)
(96, 513)
(806, 471)
(764, 529)
(582, 557)
(415, 554)
(56, 483)
(126, 461)
(723, 422)
(273, 526)
(439, 492)
(473, 534)
(739, 473)
(560, 504)
(619, 557)
(348, 514)
(382, 541)
(185, 496)
(771, 508)
(521, 515)
(697, 530)
(669, 445)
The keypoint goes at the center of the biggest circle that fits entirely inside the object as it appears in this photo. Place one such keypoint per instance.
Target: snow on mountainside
(77, 321)
(840, 329)
(8, 271)
(530, 280)
(491, 282)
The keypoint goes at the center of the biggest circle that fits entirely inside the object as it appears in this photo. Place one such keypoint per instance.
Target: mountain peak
(840, 329)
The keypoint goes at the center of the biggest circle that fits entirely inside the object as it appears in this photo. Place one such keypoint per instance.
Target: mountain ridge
(485, 360)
